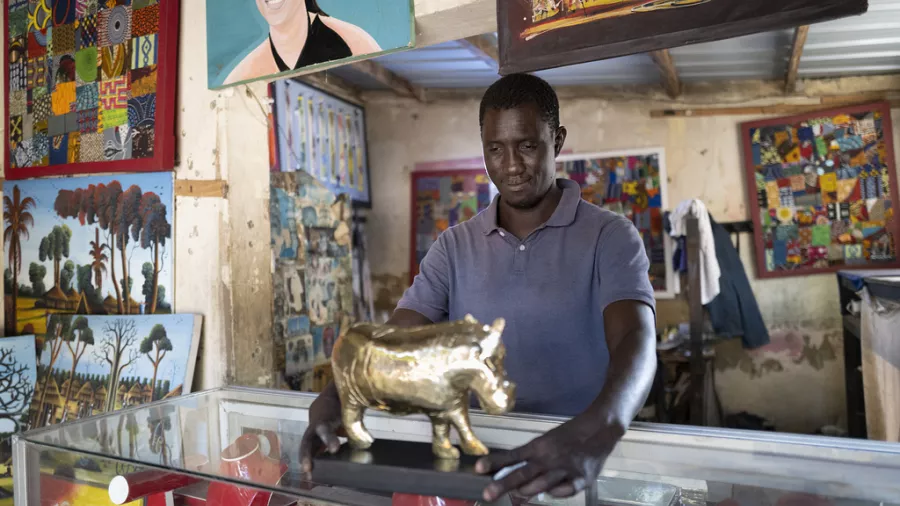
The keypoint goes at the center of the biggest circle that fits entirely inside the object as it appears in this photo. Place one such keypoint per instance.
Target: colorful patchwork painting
(823, 190)
(633, 184)
(98, 69)
(442, 199)
(324, 136)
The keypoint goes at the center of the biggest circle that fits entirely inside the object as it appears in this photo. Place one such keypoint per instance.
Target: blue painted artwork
(264, 39)
(323, 136)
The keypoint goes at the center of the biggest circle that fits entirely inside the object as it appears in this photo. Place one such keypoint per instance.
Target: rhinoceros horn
(470, 319)
(490, 343)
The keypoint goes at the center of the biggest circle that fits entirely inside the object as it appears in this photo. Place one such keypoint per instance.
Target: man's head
(521, 137)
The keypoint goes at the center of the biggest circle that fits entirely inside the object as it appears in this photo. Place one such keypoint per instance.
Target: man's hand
(323, 429)
(561, 462)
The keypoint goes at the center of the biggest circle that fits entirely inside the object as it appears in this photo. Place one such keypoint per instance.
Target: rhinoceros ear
(490, 343)
(470, 319)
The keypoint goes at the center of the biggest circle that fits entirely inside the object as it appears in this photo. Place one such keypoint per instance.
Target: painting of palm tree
(18, 220)
(99, 258)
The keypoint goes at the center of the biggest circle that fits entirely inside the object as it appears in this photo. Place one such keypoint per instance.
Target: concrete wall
(797, 381)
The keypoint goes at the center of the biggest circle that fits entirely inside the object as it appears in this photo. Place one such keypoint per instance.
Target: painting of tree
(58, 325)
(155, 347)
(55, 247)
(108, 225)
(79, 337)
(117, 351)
(18, 220)
(98, 260)
(17, 386)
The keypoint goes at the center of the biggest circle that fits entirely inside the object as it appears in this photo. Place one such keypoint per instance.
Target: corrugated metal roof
(860, 45)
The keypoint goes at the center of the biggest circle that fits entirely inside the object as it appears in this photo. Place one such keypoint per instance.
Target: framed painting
(17, 375)
(633, 184)
(273, 39)
(69, 250)
(324, 136)
(441, 199)
(822, 189)
(90, 86)
(541, 34)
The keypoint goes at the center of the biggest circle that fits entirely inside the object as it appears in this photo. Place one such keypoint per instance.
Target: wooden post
(696, 312)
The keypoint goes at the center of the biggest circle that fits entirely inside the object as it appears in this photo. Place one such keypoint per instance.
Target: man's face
(520, 150)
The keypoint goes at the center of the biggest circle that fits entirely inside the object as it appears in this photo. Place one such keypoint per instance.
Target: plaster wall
(797, 381)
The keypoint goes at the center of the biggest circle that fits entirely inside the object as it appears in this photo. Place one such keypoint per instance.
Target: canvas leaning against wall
(541, 34)
(633, 184)
(87, 245)
(89, 365)
(823, 191)
(18, 372)
(90, 86)
(323, 136)
(250, 40)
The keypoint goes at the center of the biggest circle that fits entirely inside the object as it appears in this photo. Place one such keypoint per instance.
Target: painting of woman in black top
(300, 34)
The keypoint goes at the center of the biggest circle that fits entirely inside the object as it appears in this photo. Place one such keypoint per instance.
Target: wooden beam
(790, 80)
(397, 84)
(485, 46)
(666, 65)
(201, 188)
(780, 109)
(328, 81)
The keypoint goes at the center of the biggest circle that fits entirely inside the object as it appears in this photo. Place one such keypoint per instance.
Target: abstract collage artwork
(90, 86)
(440, 200)
(323, 136)
(822, 190)
(312, 282)
(633, 184)
(87, 245)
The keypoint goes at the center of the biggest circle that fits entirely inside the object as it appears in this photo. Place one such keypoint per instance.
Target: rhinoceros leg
(352, 417)
(440, 439)
(470, 444)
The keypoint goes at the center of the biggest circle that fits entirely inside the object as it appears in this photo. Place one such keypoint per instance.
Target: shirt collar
(563, 216)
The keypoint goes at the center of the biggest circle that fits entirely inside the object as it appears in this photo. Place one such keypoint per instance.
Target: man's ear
(560, 139)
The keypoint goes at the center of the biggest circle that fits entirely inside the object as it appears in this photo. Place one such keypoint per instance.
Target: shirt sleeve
(622, 265)
(429, 294)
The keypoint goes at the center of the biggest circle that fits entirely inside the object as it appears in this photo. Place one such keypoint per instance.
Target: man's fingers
(497, 461)
(308, 445)
(543, 483)
(568, 488)
(328, 436)
(511, 482)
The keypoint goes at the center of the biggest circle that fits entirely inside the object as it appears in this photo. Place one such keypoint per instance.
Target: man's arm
(563, 460)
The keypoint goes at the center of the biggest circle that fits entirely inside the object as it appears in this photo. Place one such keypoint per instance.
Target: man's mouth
(274, 4)
(517, 184)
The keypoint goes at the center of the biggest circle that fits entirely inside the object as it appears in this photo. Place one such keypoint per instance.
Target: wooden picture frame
(537, 35)
(299, 142)
(82, 118)
(662, 269)
(848, 136)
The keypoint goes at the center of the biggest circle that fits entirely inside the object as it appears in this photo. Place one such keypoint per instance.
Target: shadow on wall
(388, 290)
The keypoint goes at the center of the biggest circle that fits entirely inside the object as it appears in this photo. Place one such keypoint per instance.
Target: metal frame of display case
(838, 468)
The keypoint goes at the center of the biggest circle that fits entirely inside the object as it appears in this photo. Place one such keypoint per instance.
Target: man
(569, 278)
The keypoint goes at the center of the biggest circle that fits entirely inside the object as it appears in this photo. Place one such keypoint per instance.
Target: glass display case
(240, 446)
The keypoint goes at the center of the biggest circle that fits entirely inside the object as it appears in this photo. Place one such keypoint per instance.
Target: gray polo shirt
(551, 288)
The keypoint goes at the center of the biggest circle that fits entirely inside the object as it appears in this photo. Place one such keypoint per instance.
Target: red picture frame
(165, 136)
(430, 172)
(892, 223)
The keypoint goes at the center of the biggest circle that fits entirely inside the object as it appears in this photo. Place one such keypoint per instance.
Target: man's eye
(529, 146)
(494, 149)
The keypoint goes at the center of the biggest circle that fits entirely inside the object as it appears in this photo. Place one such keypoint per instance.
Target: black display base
(404, 467)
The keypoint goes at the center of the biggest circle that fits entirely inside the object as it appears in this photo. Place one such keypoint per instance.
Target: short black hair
(313, 7)
(515, 90)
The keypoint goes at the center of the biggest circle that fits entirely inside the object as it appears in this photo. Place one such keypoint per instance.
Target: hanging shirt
(709, 265)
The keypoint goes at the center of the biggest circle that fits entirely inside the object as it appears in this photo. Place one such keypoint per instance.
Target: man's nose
(513, 162)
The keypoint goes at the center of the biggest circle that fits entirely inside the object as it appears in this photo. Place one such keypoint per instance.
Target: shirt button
(522, 248)
(502, 234)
